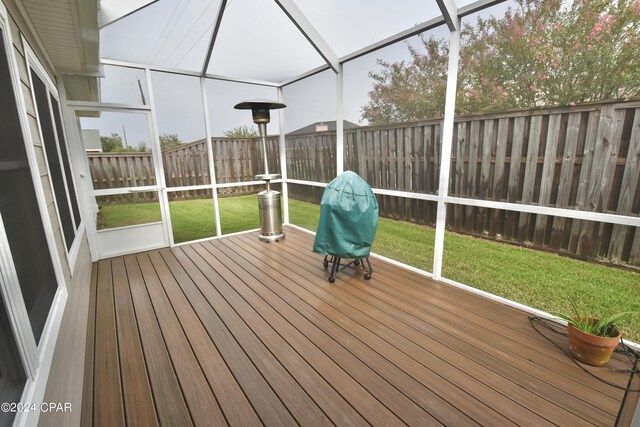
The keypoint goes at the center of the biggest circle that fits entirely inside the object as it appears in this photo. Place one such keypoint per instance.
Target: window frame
(33, 64)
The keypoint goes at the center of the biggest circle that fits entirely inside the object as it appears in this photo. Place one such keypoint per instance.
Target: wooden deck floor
(236, 331)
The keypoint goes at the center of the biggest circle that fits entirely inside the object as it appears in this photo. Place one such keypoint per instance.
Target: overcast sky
(256, 41)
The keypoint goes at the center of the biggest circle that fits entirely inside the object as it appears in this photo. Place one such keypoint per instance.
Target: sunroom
(501, 140)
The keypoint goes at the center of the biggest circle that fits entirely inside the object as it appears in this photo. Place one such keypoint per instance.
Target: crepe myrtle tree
(541, 52)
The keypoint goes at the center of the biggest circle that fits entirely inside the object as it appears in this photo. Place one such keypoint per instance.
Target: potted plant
(592, 339)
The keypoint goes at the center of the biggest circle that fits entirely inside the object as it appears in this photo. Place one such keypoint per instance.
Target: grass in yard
(195, 219)
(538, 279)
(239, 213)
(112, 216)
(190, 219)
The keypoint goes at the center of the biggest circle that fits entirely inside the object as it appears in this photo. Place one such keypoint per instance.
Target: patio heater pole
(269, 201)
(262, 128)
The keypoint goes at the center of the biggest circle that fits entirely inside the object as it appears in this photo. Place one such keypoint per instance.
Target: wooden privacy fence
(235, 160)
(585, 158)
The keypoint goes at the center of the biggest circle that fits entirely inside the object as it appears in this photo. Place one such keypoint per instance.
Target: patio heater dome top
(260, 110)
(249, 105)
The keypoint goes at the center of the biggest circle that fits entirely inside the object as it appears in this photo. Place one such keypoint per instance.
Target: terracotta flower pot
(591, 349)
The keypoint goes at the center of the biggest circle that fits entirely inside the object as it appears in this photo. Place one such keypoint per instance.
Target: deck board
(107, 412)
(86, 417)
(170, 403)
(483, 366)
(136, 390)
(235, 331)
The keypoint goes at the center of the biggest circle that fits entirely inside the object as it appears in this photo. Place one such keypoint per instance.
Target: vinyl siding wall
(64, 383)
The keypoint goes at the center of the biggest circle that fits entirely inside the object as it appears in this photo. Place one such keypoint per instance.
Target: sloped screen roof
(256, 39)
(169, 34)
(350, 25)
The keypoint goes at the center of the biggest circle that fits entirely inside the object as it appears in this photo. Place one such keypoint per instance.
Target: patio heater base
(270, 215)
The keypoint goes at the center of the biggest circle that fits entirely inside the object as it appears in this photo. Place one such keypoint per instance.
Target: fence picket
(566, 175)
(474, 142)
(531, 165)
(498, 175)
(515, 164)
(546, 181)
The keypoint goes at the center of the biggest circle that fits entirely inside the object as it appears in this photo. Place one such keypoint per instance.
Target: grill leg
(369, 272)
(334, 269)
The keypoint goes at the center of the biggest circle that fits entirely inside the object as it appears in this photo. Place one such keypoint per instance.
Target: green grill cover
(348, 218)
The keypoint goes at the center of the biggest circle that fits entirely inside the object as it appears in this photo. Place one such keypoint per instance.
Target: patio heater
(269, 202)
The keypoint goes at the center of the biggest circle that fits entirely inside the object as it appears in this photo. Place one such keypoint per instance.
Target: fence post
(445, 163)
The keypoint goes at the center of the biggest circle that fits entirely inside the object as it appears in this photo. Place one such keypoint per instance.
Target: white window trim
(33, 63)
(36, 384)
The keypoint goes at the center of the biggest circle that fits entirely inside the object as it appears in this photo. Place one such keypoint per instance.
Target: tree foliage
(243, 131)
(111, 143)
(169, 140)
(541, 52)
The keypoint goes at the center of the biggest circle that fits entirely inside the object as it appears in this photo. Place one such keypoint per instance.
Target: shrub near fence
(585, 157)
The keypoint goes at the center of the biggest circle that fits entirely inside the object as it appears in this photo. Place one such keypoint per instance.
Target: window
(57, 159)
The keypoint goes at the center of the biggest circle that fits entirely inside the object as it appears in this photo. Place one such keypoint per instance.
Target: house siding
(65, 379)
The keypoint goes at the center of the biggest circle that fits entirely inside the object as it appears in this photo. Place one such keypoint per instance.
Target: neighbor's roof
(328, 126)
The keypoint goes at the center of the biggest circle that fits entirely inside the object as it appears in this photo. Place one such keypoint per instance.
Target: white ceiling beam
(477, 6)
(449, 13)
(402, 35)
(214, 36)
(312, 35)
(242, 80)
(128, 64)
(303, 76)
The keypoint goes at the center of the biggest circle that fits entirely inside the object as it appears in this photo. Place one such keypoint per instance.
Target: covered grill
(348, 224)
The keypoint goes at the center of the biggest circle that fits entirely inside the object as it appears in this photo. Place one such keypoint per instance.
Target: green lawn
(190, 219)
(538, 279)
(111, 216)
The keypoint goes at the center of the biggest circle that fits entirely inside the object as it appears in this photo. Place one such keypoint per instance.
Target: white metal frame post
(156, 151)
(339, 121)
(283, 159)
(85, 185)
(447, 141)
(212, 170)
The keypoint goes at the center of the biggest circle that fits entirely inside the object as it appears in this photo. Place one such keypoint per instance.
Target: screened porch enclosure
(179, 274)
